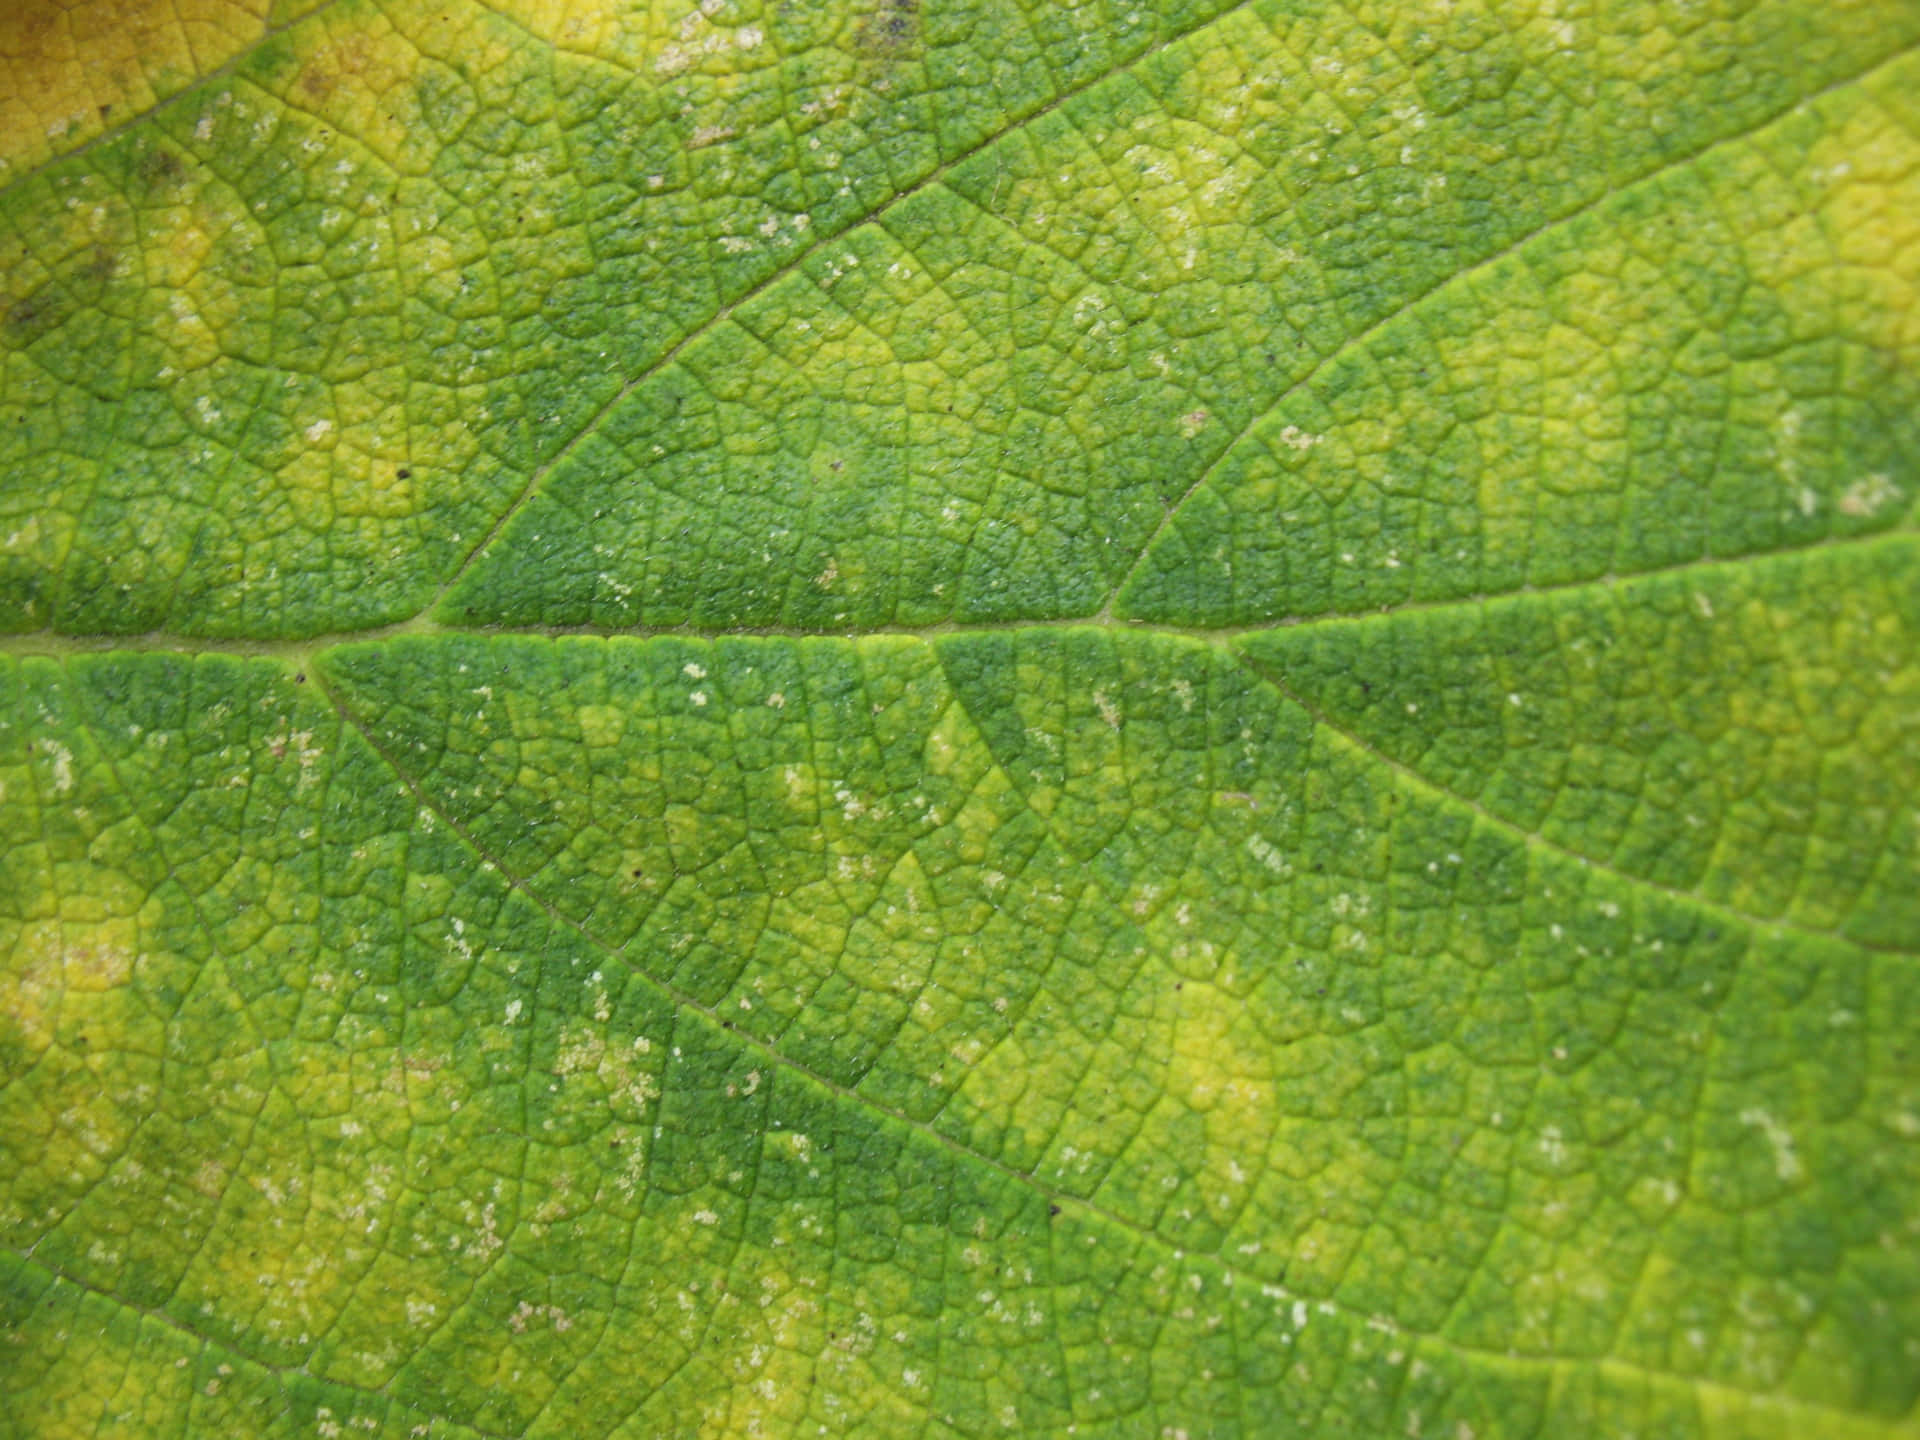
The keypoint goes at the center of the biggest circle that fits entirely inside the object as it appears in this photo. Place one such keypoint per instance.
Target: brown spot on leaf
(159, 169)
(347, 58)
(32, 316)
(99, 264)
(890, 32)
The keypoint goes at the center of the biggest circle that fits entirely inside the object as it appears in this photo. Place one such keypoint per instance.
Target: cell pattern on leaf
(950, 718)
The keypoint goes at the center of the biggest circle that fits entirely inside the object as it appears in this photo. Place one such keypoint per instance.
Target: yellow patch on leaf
(71, 69)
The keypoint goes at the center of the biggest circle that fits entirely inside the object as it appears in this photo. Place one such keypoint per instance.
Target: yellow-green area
(1045, 1028)
(72, 71)
(1306, 312)
(275, 360)
(953, 718)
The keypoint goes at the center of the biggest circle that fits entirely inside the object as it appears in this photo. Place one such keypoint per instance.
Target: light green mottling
(939, 718)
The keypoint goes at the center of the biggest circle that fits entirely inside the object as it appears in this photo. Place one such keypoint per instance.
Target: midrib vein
(301, 650)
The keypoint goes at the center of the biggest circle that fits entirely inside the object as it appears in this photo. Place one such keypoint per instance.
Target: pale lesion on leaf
(53, 962)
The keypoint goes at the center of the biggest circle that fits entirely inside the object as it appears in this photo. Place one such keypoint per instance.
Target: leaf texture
(928, 719)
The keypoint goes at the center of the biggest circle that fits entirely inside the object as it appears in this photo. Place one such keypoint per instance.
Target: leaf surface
(929, 719)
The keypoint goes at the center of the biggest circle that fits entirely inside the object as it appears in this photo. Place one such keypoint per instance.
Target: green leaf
(928, 718)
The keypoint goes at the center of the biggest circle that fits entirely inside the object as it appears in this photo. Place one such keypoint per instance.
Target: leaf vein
(681, 1001)
(1372, 329)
